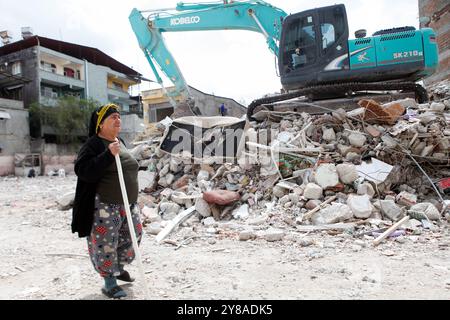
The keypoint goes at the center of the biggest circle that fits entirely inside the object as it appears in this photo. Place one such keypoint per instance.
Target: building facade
(435, 14)
(14, 133)
(156, 105)
(41, 70)
(56, 68)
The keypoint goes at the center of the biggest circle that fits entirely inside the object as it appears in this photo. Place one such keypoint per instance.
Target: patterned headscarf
(99, 115)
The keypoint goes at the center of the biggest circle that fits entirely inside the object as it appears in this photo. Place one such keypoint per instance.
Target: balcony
(60, 80)
(47, 101)
(113, 92)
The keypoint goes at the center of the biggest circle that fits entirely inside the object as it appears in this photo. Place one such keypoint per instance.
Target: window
(49, 67)
(328, 35)
(117, 85)
(16, 68)
(68, 72)
(333, 28)
(300, 43)
(49, 92)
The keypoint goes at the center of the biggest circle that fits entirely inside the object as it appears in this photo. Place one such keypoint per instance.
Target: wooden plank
(386, 234)
(309, 214)
(174, 223)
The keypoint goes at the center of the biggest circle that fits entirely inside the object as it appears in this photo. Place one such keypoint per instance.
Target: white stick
(389, 231)
(131, 225)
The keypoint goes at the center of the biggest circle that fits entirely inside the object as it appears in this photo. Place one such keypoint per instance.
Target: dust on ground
(42, 259)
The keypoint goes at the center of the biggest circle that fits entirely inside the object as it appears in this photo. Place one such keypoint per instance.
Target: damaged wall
(14, 134)
(435, 14)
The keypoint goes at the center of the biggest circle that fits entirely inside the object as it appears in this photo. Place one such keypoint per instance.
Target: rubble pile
(344, 171)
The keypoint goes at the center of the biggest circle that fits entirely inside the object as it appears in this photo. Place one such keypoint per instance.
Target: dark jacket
(90, 165)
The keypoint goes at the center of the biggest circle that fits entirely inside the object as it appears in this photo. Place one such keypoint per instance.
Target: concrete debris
(360, 205)
(313, 191)
(381, 162)
(337, 212)
(327, 176)
(65, 202)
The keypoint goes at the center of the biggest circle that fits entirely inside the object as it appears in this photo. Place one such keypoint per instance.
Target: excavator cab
(313, 46)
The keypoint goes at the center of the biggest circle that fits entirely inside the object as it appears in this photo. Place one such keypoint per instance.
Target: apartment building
(436, 14)
(156, 104)
(56, 68)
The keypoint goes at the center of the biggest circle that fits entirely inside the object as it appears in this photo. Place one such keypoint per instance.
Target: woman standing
(98, 211)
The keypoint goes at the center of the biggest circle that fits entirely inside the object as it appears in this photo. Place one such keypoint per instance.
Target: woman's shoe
(125, 276)
(114, 293)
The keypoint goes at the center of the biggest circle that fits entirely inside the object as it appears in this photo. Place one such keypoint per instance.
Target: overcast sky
(234, 64)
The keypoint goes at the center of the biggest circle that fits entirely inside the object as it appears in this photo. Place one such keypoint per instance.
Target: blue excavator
(316, 58)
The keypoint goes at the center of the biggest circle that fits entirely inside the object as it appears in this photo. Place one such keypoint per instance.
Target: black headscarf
(103, 112)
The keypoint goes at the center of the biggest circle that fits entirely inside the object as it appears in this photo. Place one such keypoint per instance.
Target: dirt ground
(42, 259)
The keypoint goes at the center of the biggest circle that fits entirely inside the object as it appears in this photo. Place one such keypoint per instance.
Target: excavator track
(341, 88)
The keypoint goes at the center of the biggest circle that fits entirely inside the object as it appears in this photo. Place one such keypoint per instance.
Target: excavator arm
(257, 16)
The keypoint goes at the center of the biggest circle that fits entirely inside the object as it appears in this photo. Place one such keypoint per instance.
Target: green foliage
(69, 118)
(35, 119)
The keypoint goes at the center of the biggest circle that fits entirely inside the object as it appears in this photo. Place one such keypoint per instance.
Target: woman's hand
(114, 147)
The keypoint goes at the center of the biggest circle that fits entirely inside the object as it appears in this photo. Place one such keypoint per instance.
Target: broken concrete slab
(390, 209)
(406, 199)
(336, 212)
(428, 209)
(375, 170)
(202, 207)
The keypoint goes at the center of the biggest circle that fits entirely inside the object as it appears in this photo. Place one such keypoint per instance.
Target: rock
(391, 210)
(168, 209)
(327, 176)
(374, 132)
(241, 212)
(65, 202)
(437, 106)
(357, 139)
(329, 135)
(202, 207)
(366, 189)
(313, 191)
(146, 179)
(203, 175)
(311, 204)
(164, 170)
(279, 192)
(174, 165)
(247, 235)
(273, 234)
(343, 149)
(284, 200)
(257, 221)
(221, 197)
(181, 182)
(347, 173)
(305, 242)
(294, 198)
(335, 213)
(209, 222)
(151, 214)
(427, 209)
(360, 206)
(154, 228)
(352, 156)
(406, 199)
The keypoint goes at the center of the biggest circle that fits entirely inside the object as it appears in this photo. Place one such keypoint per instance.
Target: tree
(69, 118)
